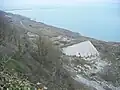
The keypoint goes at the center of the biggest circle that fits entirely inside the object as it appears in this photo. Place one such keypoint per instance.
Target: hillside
(35, 49)
(32, 55)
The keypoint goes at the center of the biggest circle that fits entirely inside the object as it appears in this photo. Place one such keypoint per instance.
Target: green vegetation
(9, 79)
(40, 63)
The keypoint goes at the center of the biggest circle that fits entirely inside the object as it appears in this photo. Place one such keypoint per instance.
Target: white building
(32, 35)
(85, 50)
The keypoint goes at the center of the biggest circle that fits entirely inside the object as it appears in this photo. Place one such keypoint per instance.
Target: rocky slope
(36, 50)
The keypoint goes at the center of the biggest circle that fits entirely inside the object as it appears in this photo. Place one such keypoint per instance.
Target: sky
(18, 3)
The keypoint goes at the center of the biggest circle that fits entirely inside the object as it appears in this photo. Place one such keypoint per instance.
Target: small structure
(32, 35)
(85, 50)
(40, 86)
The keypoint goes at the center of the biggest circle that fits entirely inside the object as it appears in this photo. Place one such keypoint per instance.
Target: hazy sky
(39, 2)
(29, 3)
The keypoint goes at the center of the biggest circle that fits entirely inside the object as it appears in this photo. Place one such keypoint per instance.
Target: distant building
(84, 50)
(40, 86)
(32, 35)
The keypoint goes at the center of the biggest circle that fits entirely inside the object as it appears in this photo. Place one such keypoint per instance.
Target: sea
(100, 21)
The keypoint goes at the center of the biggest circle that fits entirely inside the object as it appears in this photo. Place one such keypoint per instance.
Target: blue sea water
(100, 21)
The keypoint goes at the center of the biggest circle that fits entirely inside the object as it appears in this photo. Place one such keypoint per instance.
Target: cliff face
(35, 49)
